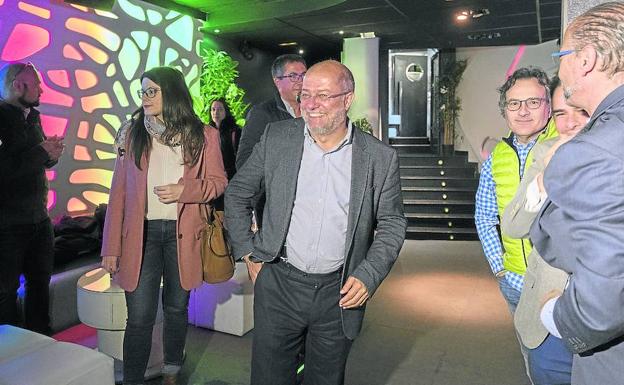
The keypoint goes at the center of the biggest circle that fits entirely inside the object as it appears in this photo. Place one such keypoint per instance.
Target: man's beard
(24, 102)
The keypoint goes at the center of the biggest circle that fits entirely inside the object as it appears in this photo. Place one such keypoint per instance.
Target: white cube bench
(226, 307)
(30, 358)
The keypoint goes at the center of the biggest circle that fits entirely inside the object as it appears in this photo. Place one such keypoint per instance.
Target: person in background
(550, 362)
(287, 72)
(580, 228)
(26, 234)
(230, 133)
(221, 118)
(169, 165)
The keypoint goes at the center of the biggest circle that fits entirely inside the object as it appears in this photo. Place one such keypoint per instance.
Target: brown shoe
(169, 379)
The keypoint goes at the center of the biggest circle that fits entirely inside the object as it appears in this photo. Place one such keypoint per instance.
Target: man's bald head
(341, 72)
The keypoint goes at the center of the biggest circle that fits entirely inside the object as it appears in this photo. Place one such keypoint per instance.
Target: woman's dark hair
(228, 124)
(181, 122)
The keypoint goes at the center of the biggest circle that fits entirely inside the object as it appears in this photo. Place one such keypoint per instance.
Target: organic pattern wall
(90, 62)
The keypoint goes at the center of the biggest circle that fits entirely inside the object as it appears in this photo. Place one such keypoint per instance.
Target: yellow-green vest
(506, 175)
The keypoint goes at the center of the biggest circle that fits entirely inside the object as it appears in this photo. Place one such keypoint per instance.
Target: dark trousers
(160, 259)
(551, 363)
(28, 250)
(292, 308)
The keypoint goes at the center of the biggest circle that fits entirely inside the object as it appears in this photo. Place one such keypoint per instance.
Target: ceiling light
(287, 44)
(473, 14)
(367, 35)
(301, 52)
(341, 32)
(217, 30)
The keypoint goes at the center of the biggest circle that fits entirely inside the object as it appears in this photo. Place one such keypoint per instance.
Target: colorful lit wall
(90, 62)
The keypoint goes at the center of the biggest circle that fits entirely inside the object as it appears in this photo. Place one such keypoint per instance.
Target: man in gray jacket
(333, 227)
(580, 228)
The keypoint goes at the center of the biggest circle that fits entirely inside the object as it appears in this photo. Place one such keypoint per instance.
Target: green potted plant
(217, 78)
(364, 125)
(450, 103)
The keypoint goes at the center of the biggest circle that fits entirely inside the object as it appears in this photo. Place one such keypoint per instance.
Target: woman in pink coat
(169, 165)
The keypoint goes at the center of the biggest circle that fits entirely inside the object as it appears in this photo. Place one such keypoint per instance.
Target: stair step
(439, 216)
(465, 172)
(414, 148)
(432, 161)
(443, 230)
(449, 223)
(409, 140)
(438, 207)
(439, 189)
(440, 196)
(442, 182)
(441, 236)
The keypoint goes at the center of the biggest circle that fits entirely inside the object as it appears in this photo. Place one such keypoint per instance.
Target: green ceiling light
(217, 30)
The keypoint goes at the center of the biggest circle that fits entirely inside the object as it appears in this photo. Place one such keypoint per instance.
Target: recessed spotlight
(287, 44)
(341, 32)
(462, 16)
(217, 30)
(301, 52)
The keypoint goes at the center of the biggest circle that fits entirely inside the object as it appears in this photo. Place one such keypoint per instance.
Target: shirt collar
(523, 146)
(348, 138)
(290, 110)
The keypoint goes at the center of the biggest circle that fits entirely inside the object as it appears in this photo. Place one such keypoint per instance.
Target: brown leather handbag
(217, 261)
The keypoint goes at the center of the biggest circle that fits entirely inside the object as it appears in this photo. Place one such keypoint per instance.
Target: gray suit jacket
(580, 229)
(376, 222)
(540, 278)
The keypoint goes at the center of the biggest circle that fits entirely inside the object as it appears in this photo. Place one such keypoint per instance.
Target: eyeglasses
(322, 97)
(556, 56)
(293, 77)
(531, 103)
(150, 92)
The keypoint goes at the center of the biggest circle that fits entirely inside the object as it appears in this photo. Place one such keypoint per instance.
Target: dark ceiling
(400, 24)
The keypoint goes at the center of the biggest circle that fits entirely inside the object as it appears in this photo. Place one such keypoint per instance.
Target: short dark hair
(277, 68)
(554, 83)
(522, 73)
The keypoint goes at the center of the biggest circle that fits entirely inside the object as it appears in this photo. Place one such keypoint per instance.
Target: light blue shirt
(316, 237)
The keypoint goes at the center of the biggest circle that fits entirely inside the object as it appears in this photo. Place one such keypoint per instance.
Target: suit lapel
(292, 155)
(359, 177)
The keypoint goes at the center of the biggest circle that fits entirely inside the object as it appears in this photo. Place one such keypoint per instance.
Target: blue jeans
(511, 295)
(28, 250)
(551, 363)
(160, 259)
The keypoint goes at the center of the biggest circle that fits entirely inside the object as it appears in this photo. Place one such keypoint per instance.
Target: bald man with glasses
(26, 234)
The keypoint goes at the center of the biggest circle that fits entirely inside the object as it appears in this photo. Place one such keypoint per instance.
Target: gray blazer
(580, 230)
(540, 278)
(376, 222)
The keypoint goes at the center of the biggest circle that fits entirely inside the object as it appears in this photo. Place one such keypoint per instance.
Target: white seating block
(226, 307)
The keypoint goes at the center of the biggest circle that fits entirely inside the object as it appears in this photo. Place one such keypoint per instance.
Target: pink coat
(123, 229)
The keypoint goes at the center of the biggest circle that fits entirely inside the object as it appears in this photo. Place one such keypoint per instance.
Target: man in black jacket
(287, 72)
(26, 234)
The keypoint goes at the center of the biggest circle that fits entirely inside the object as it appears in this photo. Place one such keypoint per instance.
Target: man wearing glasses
(287, 72)
(580, 228)
(26, 235)
(334, 226)
(525, 104)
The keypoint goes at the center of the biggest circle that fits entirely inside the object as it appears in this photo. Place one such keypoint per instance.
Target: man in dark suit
(287, 72)
(580, 228)
(333, 227)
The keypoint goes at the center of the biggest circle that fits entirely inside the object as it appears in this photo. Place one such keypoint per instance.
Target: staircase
(438, 190)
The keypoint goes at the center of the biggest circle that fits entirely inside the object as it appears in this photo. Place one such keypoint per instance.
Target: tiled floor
(438, 319)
